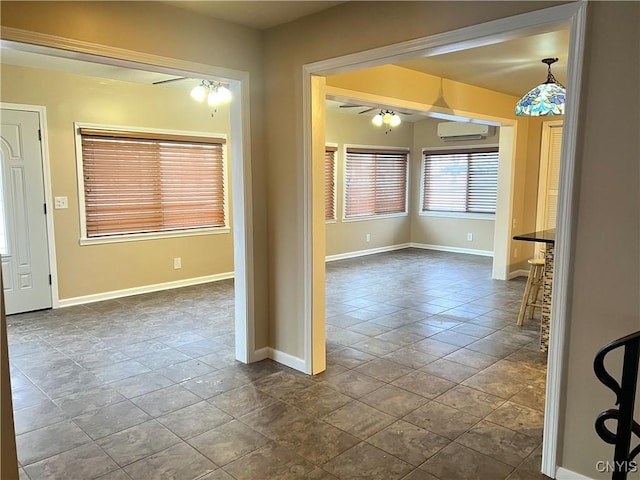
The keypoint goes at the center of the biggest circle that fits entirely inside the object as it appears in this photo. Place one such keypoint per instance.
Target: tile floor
(428, 378)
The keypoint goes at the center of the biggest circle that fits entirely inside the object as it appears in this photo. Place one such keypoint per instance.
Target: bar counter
(548, 237)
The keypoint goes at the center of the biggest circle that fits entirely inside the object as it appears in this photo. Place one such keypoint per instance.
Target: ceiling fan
(160, 82)
(366, 109)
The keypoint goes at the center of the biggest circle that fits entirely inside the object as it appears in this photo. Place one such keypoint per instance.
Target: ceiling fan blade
(350, 106)
(366, 111)
(160, 82)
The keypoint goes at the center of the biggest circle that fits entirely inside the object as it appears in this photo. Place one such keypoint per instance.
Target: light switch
(61, 202)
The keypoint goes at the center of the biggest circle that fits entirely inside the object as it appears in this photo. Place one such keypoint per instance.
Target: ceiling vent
(457, 131)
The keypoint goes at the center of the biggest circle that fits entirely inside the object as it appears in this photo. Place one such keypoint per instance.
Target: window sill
(376, 217)
(332, 220)
(138, 237)
(465, 215)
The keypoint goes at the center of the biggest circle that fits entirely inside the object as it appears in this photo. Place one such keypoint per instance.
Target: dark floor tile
(354, 384)
(194, 419)
(499, 385)
(141, 384)
(86, 462)
(38, 416)
(530, 396)
(408, 442)
(276, 420)
(162, 358)
(366, 462)
(272, 461)
(470, 400)
(318, 442)
(283, 384)
(135, 443)
(376, 347)
(212, 384)
(410, 358)
(423, 383)
(166, 400)
(452, 371)
(499, 442)
(393, 400)
(88, 400)
(242, 400)
(228, 442)
(442, 420)
(48, 441)
(519, 418)
(110, 419)
(468, 465)
(317, 400)
(471, 358)
(383, 370)
(359, 419)
(349, 357)
(179, 462)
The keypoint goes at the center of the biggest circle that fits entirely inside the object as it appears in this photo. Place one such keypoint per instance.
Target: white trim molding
(518, 273)
(369, 251)
(157, 287)
(564, 474)
(444, 248)
(296, 363)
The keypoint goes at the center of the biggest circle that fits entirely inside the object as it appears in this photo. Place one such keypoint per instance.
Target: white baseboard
(127, 292)
(443, 248)
(362, 253)
(277, 356)
(518, 273)
(564, 474)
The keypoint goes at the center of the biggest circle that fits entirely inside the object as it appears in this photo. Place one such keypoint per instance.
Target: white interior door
(23, 227)
(550, 150)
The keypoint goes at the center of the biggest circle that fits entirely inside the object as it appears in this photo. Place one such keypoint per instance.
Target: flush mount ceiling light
(215, 93)
(545, 99)
(386, 118)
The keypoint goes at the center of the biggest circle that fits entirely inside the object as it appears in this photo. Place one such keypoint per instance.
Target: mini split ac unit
(456, 131)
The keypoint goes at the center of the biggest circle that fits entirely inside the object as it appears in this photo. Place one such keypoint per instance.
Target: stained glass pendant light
(545, 99)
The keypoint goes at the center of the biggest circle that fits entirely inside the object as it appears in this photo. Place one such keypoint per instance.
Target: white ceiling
(511, 67)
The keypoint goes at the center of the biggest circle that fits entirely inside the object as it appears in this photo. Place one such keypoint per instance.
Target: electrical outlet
(177, 263)
(470, 237)
(367, 237)
(60, 202)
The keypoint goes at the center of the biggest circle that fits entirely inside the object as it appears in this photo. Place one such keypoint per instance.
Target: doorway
(571, 15)
(237, 148)
(24, 244)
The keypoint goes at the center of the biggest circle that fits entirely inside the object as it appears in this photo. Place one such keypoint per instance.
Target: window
(460, 180)
(143, 182)
(330, 183)
(375, 182)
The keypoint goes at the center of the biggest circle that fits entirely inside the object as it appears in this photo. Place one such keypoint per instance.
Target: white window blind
(375, 182)
(460, 180)
(329, 183)
(139, 182)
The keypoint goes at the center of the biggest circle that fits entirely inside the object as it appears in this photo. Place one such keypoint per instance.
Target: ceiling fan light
(224, 94)
(395, 120)
(198, 93)
(386, 118)
(377, 120)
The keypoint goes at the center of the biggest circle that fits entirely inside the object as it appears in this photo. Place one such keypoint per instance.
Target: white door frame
(573, 16)
(240, 147)
(46, 173)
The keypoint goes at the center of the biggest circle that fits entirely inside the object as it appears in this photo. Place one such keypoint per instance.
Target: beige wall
(350, 236)
(605, 294)
(604, 264)
(92, 269)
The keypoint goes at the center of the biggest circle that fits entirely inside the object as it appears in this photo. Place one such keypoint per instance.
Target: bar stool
(532, 289)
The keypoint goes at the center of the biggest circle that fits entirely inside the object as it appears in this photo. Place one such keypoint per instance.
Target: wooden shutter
(140, 185)
(462, 180)
(376, 182)
(329, 183)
